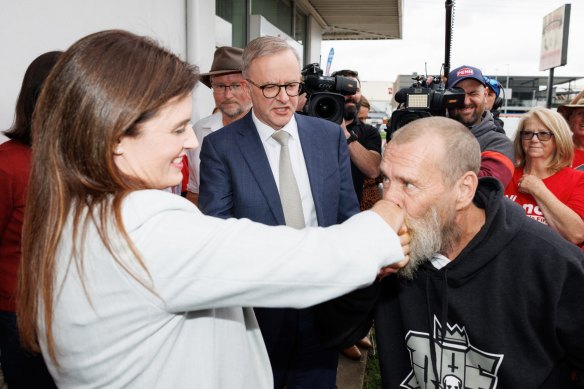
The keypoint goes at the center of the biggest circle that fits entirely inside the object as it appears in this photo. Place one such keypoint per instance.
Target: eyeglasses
(234, 88)
(542, 135)
(270, 91)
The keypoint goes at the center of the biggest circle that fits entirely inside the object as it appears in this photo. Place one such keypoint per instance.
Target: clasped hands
(394, 216)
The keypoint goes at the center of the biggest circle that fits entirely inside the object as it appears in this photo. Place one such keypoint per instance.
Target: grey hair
(461, 151)
(264, 46)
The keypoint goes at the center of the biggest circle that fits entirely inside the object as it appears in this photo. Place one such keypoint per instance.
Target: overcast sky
(497, 36)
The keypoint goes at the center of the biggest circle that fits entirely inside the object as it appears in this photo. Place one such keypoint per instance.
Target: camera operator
(364, 141)
(496, 148)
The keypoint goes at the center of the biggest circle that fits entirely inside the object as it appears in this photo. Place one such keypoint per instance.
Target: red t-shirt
(14, 172)
(578, 159)
(185, 174)
(567, 185)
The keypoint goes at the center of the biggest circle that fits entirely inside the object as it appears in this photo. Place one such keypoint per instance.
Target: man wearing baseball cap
(231, 101)
(574, 115)
(496, 148)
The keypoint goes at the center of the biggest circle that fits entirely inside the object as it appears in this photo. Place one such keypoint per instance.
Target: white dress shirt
(202, 128)
(272, 148)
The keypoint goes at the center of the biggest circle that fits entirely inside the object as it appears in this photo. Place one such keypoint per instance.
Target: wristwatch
(352, 138)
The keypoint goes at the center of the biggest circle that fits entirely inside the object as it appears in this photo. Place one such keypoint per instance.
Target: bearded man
(231, 103)
(489, 298)
(496, 148)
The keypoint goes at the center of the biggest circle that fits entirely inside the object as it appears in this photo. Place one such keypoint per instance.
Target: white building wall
(376, 90)
(201, 42)
(29, 28)
(189, 28)
(314, 42)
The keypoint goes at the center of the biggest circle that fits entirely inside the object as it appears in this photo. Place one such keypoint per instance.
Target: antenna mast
(449, 4)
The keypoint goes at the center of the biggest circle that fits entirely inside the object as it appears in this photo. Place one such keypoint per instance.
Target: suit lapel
(254, 154)
(314, 162)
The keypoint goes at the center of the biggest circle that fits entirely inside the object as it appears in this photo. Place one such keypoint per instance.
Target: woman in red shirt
(574, 115)
(549, 190)
(20, 368)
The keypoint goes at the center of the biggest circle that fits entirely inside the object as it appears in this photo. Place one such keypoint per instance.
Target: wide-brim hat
(226, 60)
(567, 109)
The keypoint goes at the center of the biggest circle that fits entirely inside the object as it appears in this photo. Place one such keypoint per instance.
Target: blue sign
(329, 61)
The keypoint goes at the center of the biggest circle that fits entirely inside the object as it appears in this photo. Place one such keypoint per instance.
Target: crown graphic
(454, 336)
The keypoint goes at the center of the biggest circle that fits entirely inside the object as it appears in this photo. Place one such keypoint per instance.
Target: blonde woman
(544, 184)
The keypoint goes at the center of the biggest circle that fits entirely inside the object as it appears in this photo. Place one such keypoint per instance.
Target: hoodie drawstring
(431, 324)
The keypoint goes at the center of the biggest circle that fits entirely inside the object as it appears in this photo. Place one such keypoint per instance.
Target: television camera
(325, 95)
(428, 95)
(424, 99)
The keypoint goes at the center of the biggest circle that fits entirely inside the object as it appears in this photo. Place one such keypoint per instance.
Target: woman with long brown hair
(125, 286)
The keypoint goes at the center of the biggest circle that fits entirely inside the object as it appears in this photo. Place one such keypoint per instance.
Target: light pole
(506, 86)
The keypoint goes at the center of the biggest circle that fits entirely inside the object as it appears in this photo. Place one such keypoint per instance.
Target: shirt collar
(266, 131)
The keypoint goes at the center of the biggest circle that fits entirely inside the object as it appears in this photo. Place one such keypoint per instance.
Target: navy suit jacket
(237, 181)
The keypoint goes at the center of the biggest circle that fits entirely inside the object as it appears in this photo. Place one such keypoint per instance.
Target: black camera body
(422, 100)
(325, 95)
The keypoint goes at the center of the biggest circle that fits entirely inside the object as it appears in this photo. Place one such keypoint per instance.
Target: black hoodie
(508, 312)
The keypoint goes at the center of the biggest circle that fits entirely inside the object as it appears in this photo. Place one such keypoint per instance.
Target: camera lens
(326, 108)
(326, 105)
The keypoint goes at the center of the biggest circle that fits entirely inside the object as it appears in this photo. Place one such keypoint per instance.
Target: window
(277, 12)
(281, 13)
(234, 11)
(300, 27)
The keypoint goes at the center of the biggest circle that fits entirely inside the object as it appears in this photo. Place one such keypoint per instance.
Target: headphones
(498, 103)
(496, 87)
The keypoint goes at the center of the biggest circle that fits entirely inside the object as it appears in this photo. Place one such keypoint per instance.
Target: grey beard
(350, 111)
(429, 236)
(231, 113)
(426, 237)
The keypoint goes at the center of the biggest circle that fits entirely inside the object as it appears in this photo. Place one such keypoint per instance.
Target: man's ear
(467, 186)
(246, 88)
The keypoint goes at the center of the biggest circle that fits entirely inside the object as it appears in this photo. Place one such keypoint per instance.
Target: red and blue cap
(462, 73)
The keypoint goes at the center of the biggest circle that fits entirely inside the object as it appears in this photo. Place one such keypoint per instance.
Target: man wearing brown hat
(574, 115)
(231, 101)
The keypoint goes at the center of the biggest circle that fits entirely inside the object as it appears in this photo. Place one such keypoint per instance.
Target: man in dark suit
(241, 176)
